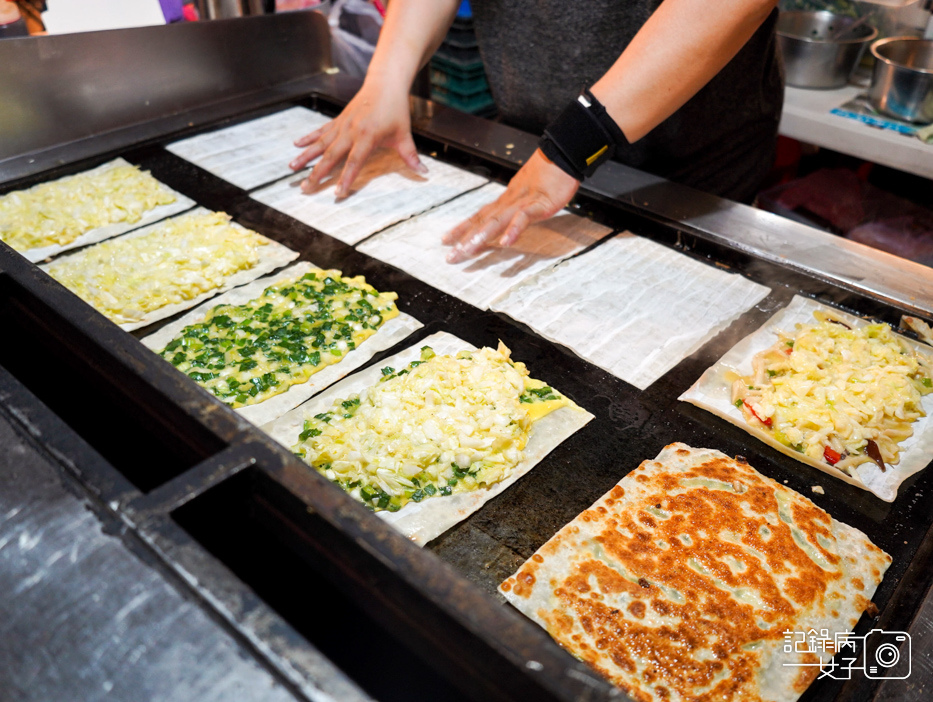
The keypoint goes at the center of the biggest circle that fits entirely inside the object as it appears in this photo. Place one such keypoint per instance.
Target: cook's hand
(539, 190)
(374, 117)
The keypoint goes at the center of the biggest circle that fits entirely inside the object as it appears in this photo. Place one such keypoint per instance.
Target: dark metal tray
(289, 561)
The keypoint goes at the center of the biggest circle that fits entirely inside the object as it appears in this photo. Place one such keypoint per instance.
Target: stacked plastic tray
(458, 78)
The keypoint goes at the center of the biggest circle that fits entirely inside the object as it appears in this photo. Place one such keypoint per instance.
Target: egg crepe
(62, 207)
(154, 257)
(425, 520)
(681, 581)
(919, 327)
(713, 392)
(385, 192)
(251, 153)
(388, 334)
(631, 306)
(415, 247)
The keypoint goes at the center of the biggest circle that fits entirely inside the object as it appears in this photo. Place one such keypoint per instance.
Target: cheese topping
(248, 353)
(837, 394)
(444, 424)
(127, 277)
(59, 212)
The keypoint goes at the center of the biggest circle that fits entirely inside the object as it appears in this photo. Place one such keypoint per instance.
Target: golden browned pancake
(680, 582)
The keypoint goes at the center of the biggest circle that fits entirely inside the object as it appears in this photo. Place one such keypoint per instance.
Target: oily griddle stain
(709, 619)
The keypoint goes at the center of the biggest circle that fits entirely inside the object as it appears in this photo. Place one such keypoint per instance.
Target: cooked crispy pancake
(680, 582)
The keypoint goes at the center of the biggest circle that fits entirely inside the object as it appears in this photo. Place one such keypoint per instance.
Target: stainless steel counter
(86, 616)
(70, 96)
(91, 612)
(808, 117)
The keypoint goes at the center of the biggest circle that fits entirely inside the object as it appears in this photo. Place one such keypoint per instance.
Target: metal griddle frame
(260, 539)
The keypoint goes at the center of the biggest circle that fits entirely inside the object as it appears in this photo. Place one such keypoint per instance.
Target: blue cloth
(171, 10)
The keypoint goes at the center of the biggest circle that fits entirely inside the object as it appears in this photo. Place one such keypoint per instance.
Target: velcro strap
(582, 137)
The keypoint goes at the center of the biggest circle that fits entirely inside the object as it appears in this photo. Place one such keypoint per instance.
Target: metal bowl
(811, 58)
(902, 82)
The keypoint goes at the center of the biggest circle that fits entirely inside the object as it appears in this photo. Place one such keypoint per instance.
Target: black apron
(539, 54)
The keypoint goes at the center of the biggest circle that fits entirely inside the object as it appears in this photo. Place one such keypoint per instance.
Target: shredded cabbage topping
(59, 212)
(127, 277)
(248, 353)
(443, 425)
(837, 394)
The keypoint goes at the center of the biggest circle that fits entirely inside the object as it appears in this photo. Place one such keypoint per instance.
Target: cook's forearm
(678, 50)
(412, 31)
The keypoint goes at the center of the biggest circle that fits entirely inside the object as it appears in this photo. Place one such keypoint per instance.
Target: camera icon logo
(883, 654)
(887, 654)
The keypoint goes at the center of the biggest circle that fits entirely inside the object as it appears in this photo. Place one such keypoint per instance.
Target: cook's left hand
(539, 190)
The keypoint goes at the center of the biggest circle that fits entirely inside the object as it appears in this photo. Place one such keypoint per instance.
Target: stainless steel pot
(224, 9)
(902, 82)
(812, 57)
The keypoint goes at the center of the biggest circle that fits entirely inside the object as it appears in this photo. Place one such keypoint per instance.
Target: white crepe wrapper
(384, 193)
(252, 153)
(415, 247)
(713, 392)
(426, 520)
(109, 231)
(630, 306)
(271, 256)
(389, 334)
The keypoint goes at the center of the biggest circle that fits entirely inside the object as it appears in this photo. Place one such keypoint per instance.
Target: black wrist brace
(582, 137)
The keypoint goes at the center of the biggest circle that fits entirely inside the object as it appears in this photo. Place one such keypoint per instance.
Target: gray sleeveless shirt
(540, 53)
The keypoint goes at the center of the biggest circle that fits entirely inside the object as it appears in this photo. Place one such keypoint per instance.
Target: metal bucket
(902, 82)
(811, 58)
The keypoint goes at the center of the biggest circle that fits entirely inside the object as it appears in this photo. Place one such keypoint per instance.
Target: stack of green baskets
(458, 78)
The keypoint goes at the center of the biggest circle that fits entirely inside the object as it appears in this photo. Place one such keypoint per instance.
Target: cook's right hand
(374, 118)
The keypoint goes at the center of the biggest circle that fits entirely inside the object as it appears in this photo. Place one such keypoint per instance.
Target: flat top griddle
(218, 503)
